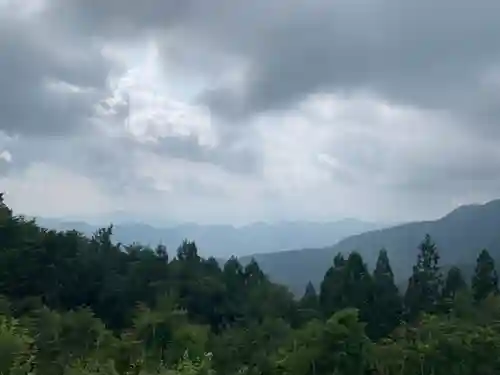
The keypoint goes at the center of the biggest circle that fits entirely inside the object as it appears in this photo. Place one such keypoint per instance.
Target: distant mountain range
(222, 241)
(459, 237)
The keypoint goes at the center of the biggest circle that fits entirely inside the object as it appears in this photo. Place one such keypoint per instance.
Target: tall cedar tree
(387, 306)
(424, 286)
(357, 286)
(309, 304)
(454, 283)
(485, 279)
(310, 298)
(331, 297)
(347, 284)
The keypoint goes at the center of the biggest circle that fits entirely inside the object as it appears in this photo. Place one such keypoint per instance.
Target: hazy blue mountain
(459, 236)
(222, 241)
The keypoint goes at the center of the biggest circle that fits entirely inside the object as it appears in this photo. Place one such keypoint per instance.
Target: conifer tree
(454, 283)
(331, 297)
(357, 286)
(485, 279)
(387, 306)
(453, 287)
(424, 286)
(252, 274)
(188, 252)
(309, 304)
(310, 299)
(347, 284)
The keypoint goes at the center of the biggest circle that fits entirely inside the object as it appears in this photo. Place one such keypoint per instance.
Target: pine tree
(424, 286)
(387, 306)
(454, 283)
(309, 304)
(347, 284)
(331, 298)
(310, 299)
(453, 286)
(188, 252)
(253, 275)
(485, 279)
(357, 287)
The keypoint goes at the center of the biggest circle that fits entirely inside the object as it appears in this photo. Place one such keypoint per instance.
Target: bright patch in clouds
(5, 155)
(68, 193)
(147, 98)
(22, 9)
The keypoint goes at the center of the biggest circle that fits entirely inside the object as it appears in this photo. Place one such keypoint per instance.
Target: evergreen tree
(161, 252)
(485, 279)
(453, 286)
(310, 297)
(357, 286)
(424, 286)
(309, 304)
(331, 293)
(188, 252)
(253, 275)
(387, 304)
(347, 284)
(454, 283)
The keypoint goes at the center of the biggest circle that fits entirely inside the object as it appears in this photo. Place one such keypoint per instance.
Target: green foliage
(331, 293)
(338, 346)
(424, 286)
(440, 345)
(485, 279)
(454, 283)
(387, 307)
(73, 305)
(309, 307)
(15, 347)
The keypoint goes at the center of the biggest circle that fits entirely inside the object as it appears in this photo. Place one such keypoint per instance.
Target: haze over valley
(296, 253)
(224, 241)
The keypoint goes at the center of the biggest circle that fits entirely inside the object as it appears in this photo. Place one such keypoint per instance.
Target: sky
(228, 111)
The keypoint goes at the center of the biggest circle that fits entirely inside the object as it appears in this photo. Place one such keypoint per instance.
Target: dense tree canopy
(485, 280)
(73, 305)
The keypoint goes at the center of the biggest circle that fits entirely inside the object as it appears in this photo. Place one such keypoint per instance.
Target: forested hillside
(459, 235)
(76, 305)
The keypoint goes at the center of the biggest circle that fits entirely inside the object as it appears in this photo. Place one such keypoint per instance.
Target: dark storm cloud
(420, 53)
(121, 18)
(38, 72)
(53, 74)
(427, 54)
(423, 53)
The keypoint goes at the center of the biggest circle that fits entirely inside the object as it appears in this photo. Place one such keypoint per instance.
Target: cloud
(227, 111)
(30, 190)
(6, 156)
(49, 82)
(429, 55)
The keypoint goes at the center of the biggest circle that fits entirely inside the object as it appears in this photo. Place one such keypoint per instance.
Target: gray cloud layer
(419, 53)
(442, 59)
(34, 59)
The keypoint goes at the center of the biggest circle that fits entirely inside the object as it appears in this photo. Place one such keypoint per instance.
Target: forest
(77, 305)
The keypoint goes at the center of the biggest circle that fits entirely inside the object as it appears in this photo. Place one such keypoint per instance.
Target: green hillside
(72, 304)
(458, 235)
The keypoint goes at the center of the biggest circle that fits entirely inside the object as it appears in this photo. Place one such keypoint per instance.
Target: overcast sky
(227, 111)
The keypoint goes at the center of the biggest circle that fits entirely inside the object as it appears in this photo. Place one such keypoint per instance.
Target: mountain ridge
(459, 235)
(223, 241)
